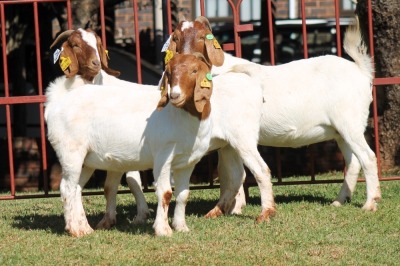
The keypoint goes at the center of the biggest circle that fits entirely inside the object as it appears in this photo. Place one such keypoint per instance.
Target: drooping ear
(214, 51)
(68, 61)
(163, 87)
(202, 91)
(103, 53)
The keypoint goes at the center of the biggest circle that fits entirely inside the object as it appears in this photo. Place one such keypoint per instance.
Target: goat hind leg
(231, 174)
(113, 180)
(135, 185)
(368, 162)
(353, 168)
(253, 160)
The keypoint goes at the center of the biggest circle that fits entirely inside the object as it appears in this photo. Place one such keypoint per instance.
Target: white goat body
(306, 101)
(112, 133)
(119, 131)
(87, 63)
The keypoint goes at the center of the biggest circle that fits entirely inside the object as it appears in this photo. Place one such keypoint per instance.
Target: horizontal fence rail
(10, 101)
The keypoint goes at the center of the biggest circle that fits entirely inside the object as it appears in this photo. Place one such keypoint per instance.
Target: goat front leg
(231, 174)
(73, 180)
(162, 173)
(113, 180)
(135, 185)
(181, 178)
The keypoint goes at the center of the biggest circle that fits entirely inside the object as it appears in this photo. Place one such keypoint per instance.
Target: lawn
(305, 231)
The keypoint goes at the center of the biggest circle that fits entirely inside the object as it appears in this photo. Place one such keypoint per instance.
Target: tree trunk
(386, 21)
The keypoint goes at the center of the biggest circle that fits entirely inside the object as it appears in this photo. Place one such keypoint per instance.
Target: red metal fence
(8, 100)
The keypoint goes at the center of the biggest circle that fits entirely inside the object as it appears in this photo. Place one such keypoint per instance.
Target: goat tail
(355, 47)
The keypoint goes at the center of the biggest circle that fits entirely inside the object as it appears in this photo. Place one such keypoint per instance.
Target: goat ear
(215, 53)
(163, 86)
(203, 91)
(68, 61)
(103, 53)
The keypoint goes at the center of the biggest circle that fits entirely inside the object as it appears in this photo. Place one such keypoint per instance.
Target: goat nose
(96, 62)
(175, 92)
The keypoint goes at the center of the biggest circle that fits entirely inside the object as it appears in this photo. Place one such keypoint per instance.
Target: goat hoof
(80, 232)
(163, 231)
(265, 215)
(214, 212)
(373, 206)
(336, 203)
(106, 223)
(181, 228)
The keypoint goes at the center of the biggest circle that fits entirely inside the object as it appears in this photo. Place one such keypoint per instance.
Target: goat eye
(194, 71)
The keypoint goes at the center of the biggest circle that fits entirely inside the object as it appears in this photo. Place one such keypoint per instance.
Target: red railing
(238, 28)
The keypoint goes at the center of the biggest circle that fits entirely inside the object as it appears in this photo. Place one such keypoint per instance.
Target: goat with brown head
(187, 84)
(196, 36)
(82, 53)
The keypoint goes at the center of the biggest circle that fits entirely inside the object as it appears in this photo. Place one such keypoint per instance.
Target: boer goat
(118, 129)
(305, 102)
(83, 60)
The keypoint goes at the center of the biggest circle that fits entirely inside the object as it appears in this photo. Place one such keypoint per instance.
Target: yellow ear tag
(168, 56)
(205, 83)
(65, 62)
(216, 44)
(108, 57)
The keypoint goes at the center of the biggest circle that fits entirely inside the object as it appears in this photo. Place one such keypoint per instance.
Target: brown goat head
(82, 53)
(187, 84)
(196, 36)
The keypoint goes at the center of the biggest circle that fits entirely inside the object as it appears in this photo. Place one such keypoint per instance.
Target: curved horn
(205, 21)
(62, 35)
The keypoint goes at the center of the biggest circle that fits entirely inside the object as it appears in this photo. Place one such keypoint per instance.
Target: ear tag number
(65, 62)
(168, 56)
(216, 44)
(205, 83)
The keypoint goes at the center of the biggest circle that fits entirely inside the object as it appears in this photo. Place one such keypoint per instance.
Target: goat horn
(204, 20)
(62, 35)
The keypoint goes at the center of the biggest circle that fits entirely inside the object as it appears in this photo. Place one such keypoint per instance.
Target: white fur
(116, 129)
(314, 100)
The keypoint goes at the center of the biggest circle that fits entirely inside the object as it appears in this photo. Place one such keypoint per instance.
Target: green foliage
(305, 231)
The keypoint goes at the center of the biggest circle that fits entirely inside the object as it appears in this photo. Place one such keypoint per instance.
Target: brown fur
(166, 199)
(187, 71)
(194, 40)
(83, 58)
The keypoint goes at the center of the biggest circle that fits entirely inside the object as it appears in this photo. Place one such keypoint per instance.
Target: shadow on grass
(126, 213)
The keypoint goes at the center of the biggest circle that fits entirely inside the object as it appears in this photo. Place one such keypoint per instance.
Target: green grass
(305, 231)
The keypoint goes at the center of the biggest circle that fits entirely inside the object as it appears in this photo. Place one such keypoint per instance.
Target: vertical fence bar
(338, 33)
(271, 32)
(7, 94)
(137, 41)
(303, 27)
(103, 24)
(41, 105)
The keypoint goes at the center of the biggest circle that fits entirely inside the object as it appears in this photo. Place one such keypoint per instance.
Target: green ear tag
(209, 36)
(209, 76)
